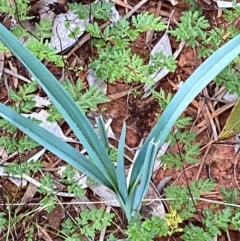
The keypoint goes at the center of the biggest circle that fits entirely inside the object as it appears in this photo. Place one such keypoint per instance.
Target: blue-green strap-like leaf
(57, 146)
(122, 185)
(67, 107)
(143, 186)
(131, 212)
(188, 91)
(102, 132)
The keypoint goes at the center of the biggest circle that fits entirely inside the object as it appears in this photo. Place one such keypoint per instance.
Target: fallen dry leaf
(232, 126)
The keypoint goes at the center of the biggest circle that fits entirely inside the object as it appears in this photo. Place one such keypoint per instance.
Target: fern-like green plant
(88, 223)
(23, 98)
(180, 198)
(214, 224)
(85, 99)
(195, 30)
(189, 151)
(115, 60)
(192, 25)
(147, 230)
(20, 11)
(22, 101)
(22, 144)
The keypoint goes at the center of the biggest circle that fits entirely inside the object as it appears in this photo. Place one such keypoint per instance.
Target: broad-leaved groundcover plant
(99, 165)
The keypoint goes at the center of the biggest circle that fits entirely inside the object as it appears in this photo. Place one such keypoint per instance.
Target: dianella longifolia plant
(99, 165)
